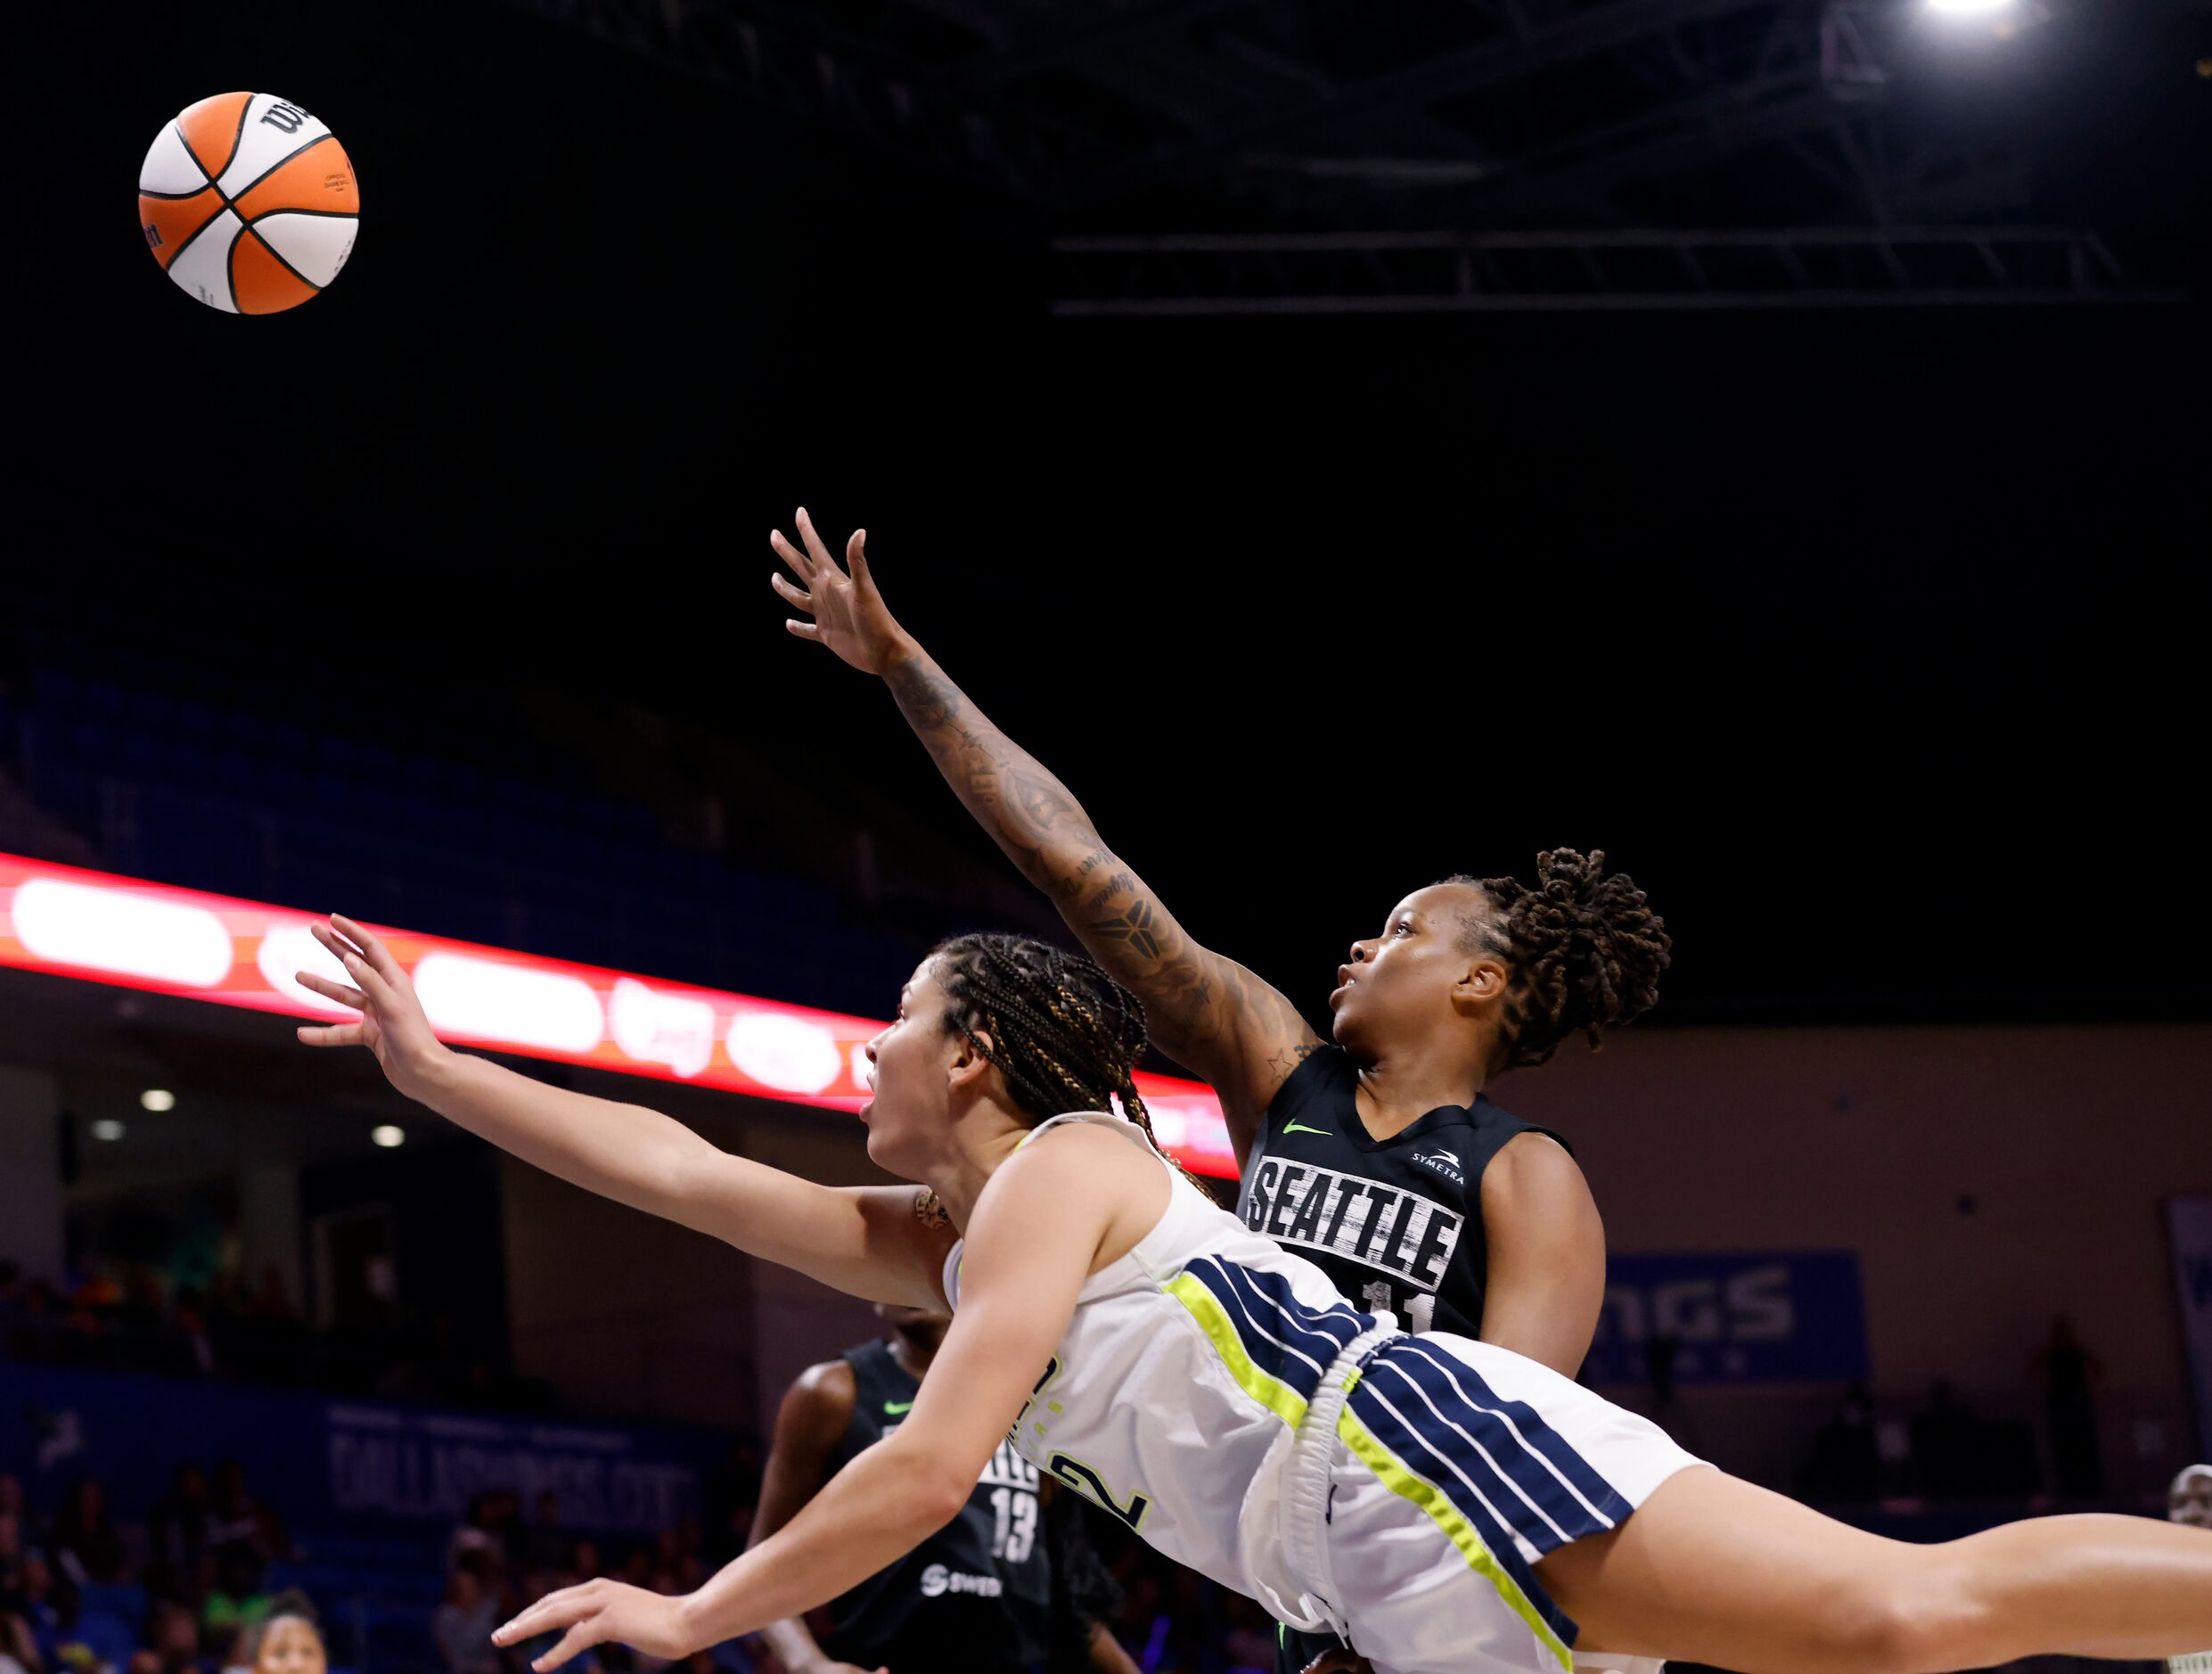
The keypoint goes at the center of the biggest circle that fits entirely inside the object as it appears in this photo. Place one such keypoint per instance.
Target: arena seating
(482, 841)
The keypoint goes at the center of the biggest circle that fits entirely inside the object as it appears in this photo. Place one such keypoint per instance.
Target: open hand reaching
(848, 614)
(392, 1023)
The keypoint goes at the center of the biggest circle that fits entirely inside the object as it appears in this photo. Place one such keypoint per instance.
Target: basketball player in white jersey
(1443, 1503)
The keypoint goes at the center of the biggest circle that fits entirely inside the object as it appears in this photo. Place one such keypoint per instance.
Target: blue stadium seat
(89, 743)
(290, 741)
(94, 697)
(110, 1638)
(154, 710)
(126, 1601)
(59, 692)
(248, 731)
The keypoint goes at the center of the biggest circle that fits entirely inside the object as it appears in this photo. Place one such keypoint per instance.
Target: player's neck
(914, 1358)
(1398, 1089)
(980, 1141)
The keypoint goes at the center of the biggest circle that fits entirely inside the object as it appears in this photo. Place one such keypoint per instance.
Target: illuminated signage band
(130, 933)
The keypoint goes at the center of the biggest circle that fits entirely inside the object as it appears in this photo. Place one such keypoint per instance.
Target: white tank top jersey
(1154, 1409)
(1215, 1393)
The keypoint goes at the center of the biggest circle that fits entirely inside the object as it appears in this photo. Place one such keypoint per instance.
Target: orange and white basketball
(249, 202)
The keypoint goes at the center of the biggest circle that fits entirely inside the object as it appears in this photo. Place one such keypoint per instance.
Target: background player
(994, 1591)
(1377, 1156)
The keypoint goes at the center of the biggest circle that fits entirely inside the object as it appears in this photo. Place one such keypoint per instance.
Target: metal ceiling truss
(1485, 114)
(1476, 272)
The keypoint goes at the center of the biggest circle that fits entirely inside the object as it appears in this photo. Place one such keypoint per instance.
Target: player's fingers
(804, 630)
(373, 948)
(580, 1637)
(857, 554)
(340, 945)
(814, 548)
(800, 599)
(330, 990)
(374, 987)
(557, 1609)
(331, 1034)
(801, 565)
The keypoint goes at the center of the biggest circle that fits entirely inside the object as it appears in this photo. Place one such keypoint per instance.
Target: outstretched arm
(1029, 1249)
(1207, 1011)
(866, 1240)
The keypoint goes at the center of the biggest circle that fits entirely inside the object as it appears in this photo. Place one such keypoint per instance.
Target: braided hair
(1585, 952)
(1065, 1035)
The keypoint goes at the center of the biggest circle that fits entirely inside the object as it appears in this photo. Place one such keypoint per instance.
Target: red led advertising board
(129, 933)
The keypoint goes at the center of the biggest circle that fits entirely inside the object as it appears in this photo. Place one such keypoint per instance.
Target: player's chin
(1352, 1029)
(884, 1149)
(1344, 1016)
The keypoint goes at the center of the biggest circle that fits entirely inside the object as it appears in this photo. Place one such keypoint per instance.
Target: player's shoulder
(828, 1383)
(1072, 1174)
(1065, 1147)
(817, 1406)
(1534, 1167)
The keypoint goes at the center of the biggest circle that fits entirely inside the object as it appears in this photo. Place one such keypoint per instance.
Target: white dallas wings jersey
(1174, 1394)
(1215, 1393)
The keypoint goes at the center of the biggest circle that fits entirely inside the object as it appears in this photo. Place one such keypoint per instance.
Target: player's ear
(970, 1060)
(1482, 983)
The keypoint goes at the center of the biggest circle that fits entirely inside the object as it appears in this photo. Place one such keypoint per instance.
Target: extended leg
(1713, 1570)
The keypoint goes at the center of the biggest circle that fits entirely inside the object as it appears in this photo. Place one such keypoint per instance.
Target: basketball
(249, 202)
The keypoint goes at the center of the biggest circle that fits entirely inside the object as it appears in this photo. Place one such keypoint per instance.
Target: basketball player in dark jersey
(1376, 1154)
(981, 1596)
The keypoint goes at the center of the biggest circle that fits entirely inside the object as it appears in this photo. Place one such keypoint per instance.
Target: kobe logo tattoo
(1134, 927)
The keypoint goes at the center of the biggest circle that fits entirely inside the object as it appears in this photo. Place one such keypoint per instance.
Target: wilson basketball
(249, 202)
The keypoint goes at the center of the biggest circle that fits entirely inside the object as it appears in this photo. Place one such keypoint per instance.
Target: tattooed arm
(1207, 1011)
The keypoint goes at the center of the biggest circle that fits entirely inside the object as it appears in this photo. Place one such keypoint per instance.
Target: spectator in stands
(243, 1524)
(173, 1643)
(2190, 1499)
(543, 1544)
(41, 1597)
(2069, 1373)
(1957, 1453)
(236, 1600)
(506, 1523)
(181, 1532)
(19, 1648)
(732, 1494)
(584, 1561)
(19, 1651)
(290, 1642)
(85, 1544)
(1845, 1464)
(474, 1534)
(192, 1350)
(462, 1625)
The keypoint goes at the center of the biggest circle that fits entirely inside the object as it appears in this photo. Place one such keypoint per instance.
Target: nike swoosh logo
(1300, 1128)
(896, 1407)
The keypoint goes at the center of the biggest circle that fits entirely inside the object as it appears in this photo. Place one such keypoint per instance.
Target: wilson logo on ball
(249, 202)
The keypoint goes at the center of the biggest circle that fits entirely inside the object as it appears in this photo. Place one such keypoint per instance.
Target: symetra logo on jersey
(1383, 1226)
(1443, 1162)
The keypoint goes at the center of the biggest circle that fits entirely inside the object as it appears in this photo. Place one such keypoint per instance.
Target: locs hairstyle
(1586, 951)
